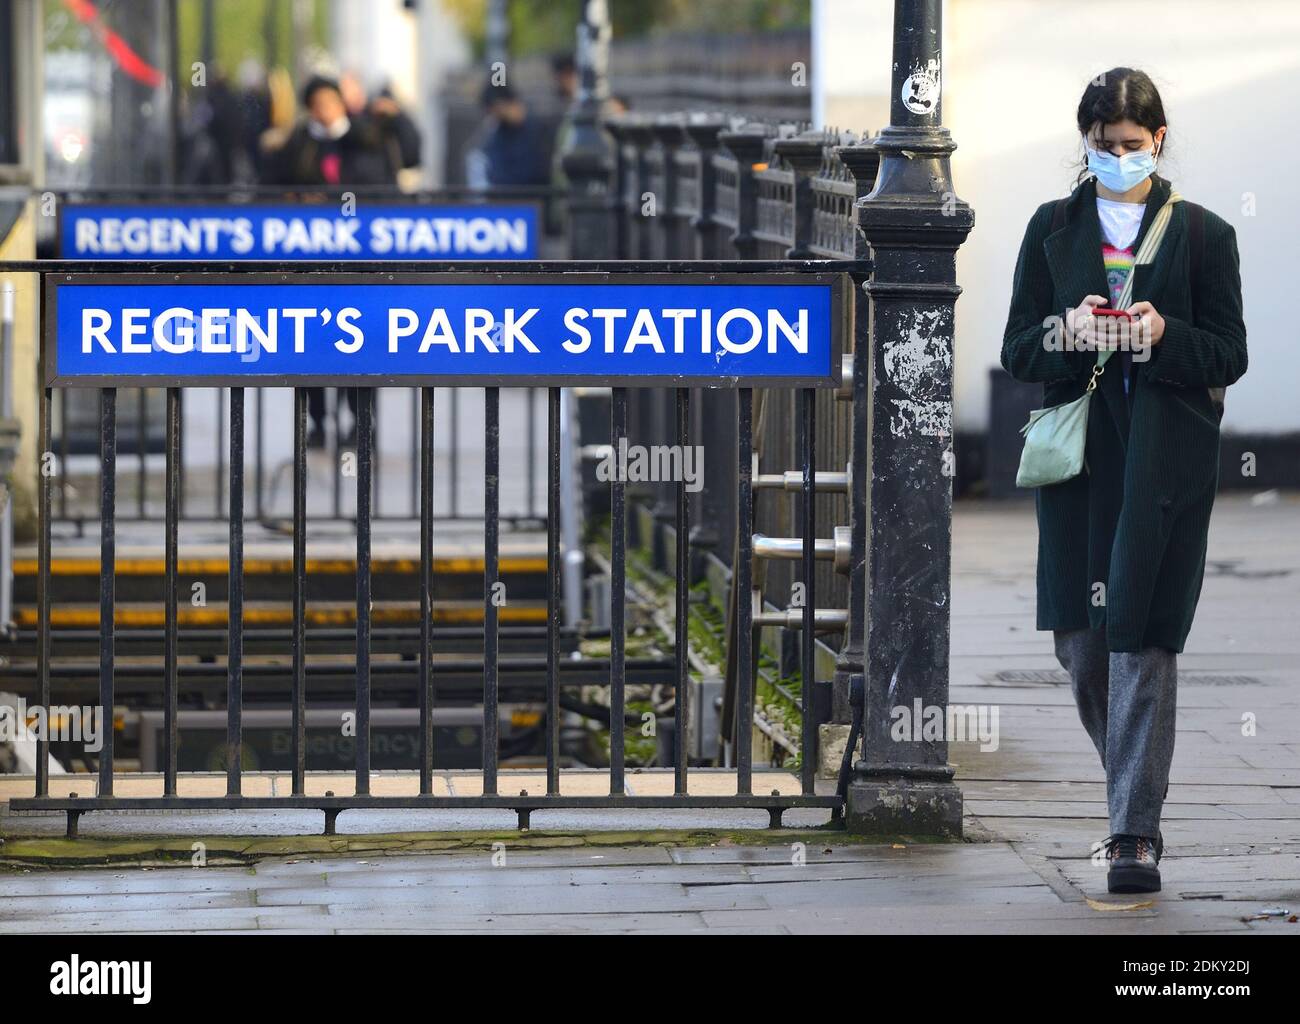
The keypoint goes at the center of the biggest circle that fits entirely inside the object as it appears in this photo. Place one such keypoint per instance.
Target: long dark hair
(1121, 94)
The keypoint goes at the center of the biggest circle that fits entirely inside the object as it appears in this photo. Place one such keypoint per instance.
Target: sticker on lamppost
(203, 231)
(920, 93)
(375, 329)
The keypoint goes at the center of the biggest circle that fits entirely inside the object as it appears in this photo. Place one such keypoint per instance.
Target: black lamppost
(588, 155)
(914, 223)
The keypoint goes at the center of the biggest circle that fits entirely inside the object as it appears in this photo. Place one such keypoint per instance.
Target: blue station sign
(376, 328)
(203, 231)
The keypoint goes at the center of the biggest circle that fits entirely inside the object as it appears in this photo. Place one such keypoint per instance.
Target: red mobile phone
(1116, 313)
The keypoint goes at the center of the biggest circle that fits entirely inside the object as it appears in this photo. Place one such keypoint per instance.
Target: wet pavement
(1035, 806)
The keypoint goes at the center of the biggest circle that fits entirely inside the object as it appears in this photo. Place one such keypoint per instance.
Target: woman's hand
(1149, 326)
(1081, 324)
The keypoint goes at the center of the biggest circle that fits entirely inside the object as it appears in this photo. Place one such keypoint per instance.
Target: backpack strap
(1196, 243)
(1058, 215)
(1196, 258)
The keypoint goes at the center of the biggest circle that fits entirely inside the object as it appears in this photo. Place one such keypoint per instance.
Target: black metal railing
(686, 188)
(558, 676)
(769, 192)
(202, 466)
(774, 206)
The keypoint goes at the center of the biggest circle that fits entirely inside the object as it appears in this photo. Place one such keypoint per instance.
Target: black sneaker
(1133, 863)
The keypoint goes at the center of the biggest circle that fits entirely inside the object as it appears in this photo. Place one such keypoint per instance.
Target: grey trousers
(1127, 703)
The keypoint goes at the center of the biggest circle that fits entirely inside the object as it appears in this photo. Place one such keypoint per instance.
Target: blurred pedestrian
(511, 149)
(282, 119)
(396, 126)
(255, 115)
(401, 129)
(564, 72)
(329, 147)
(213, 135)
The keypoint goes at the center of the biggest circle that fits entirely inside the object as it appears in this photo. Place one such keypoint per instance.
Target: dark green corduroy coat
(1135, 521)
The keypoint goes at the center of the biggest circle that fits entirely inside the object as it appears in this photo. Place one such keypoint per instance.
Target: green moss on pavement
(49, 852)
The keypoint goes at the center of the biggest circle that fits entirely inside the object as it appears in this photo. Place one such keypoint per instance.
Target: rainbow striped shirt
(1119, 264)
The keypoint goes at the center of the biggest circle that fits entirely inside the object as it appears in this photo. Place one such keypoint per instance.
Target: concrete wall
(852, 42)
(1014, 70)
(413, 52)
(378, 40)
(20, 244)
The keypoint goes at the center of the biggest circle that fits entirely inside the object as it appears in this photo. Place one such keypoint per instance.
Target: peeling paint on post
(914, 228)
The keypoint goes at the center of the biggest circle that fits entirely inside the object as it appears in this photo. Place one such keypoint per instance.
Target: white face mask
(1122, 173)
(333, 131)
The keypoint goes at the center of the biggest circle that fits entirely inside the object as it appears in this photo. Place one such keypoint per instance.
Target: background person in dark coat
(330, 148)
(215, 136)
(1121, 549)
(397, 128)
(512, 147)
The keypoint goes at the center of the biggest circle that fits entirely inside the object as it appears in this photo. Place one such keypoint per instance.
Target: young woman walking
(1121, 545)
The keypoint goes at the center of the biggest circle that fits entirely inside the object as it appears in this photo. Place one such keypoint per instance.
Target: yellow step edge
(343, 614)
(272, 566)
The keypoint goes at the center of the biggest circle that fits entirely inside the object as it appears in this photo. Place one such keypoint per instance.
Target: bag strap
(1146, 254)
(1150, 246)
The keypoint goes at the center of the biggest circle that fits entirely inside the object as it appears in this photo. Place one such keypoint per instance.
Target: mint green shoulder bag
(1056, 437)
